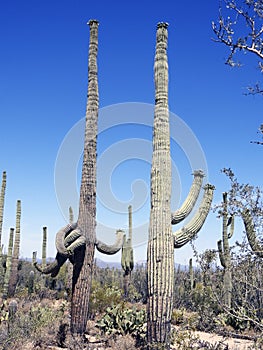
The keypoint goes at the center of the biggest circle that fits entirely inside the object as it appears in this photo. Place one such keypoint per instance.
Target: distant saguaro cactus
(254, 243)
(8, 263)
(162, 241)
(12, 309)
(127, 261)
(2, 202)
(77, 241)
(191, 274)
(15, 258)
(30, 283)
(71, 215)
(44, 247)
(224, 251)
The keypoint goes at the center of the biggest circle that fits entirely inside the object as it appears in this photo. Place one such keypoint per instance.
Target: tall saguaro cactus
(127, 261)
(15, 258)
(8, 263)
(77, 241)
(224, 251)
(44, 247)
(162, 241)
(2, 202)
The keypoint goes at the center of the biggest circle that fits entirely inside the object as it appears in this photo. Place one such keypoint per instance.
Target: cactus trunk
(2, 202)
(83, 267)
(44, 247)
(191, 274)
(160, 254)
(8, 264)
(127, 261)
(224, 253)
(15, 259)
(77, 241)
(162, 241)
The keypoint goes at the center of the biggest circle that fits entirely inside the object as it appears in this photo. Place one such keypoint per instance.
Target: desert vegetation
(72, 302)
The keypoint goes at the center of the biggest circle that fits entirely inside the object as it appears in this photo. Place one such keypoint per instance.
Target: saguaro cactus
(44, 247)
(224, 251)
(127, 261)
(2, 202)
(12, 309)
(162, 241)
(15, 258)
(77, 241)
(30, 283)
(8, 263)
(191, 274)
(255, 245)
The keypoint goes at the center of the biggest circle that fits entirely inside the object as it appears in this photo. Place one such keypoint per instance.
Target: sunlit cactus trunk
(15, 258)
(162, 241)
(2, 202)
(224, 252)
(8, 263)
(160, 255)
(127, 261)
(44, 247)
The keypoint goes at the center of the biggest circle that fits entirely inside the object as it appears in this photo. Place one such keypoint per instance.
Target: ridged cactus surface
(224, 251)
(162, 241)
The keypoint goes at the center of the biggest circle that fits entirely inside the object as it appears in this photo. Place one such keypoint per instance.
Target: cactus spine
(161, 242)
(8, 263)
(15, 259)
(251, 233)
(77, 241)
(2, 202)
(127, 261)
(224, 251)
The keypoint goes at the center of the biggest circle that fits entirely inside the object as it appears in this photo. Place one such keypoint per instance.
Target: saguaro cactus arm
(191, 199)
(231, 223)
(52, 268)
(186, 233)
(111, 249)
(251, 233)
(67, 240)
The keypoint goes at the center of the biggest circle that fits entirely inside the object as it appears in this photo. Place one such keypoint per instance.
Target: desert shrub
(35, 323)
(102, 297)
(184, 318)
(122, 320)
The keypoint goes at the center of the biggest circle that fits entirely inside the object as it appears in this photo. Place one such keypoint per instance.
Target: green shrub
(123, 320)
(102, 297)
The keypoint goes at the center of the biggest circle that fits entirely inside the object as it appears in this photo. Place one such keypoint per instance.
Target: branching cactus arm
(191, 199)
(251, 233)
(185, 234)
(68, 239)
(111, 249)
(53, 268)
(221, 254)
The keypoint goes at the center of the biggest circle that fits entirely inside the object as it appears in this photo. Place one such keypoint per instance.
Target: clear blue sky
(43, 70)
